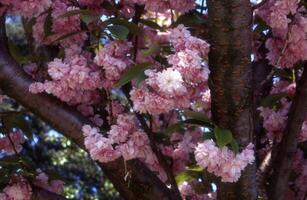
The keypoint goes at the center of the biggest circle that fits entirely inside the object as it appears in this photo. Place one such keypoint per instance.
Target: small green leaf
(187, 175)
(222, 136)
(87, 18)
(234, 146)
(191, 19)
(75, 12)
(131, 74)
(119, 31)
(48, 25)
(153, 50)
(197, 115)
(272, 99)
(140, 78)
(151, 24)
(133, 28)
(16, 53)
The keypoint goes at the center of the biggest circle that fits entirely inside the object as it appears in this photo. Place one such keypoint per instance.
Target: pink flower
(28, 8)
(54, 186)
(6, 145)
(99, 147)
(223, 162)
(20, 190)
(170, 82)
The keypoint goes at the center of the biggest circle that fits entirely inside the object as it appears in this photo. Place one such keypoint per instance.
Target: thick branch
(39, 194)
(288, 146)
(231, 82)
(142, 184)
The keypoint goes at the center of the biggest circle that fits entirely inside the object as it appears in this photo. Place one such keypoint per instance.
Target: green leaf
(15, 52)
(133, 28)
(75, 12)
(119, 31)
(272, 99)
(151, 24)
(153, 49)
(234, 146)
(140, 78)
(48, 25)
(222, 136)
(187, 175)
(87, 18)
(132, 73)
(196, 115)
(191, 19)
(195, 168)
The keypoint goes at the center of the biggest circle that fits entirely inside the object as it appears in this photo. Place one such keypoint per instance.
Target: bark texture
(141, 183)
(231, 83)
(282, 163)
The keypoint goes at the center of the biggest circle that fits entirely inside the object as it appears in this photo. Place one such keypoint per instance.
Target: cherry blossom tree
(177, 99)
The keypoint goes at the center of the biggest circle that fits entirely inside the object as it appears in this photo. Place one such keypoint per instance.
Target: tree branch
(142, 184)
(40, 193)
(231, 83)
(288, 145)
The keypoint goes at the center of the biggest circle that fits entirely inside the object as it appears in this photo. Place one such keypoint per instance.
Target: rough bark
(231, 82)
(141, 183)
(288, 146)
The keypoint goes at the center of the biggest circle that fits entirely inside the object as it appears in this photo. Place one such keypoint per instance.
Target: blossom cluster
(289, 42)
(43, 181)
(275, 119)
(124, 139)
(74, 80)
(179, 85)
(26, 8)
(223, 162)
(15, 138)
(114, 61)
(61, 26)
(19, 188)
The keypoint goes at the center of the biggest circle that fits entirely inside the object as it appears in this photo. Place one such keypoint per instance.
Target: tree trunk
(282, 163)
(231, 83)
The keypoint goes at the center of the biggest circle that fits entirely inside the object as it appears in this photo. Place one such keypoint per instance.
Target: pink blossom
(28, 8)
(223, 162)
(170, 82)
(275, 13)
(54, 186)
(99, 147)
(113, 59)
(17, 138)
(20, 190)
